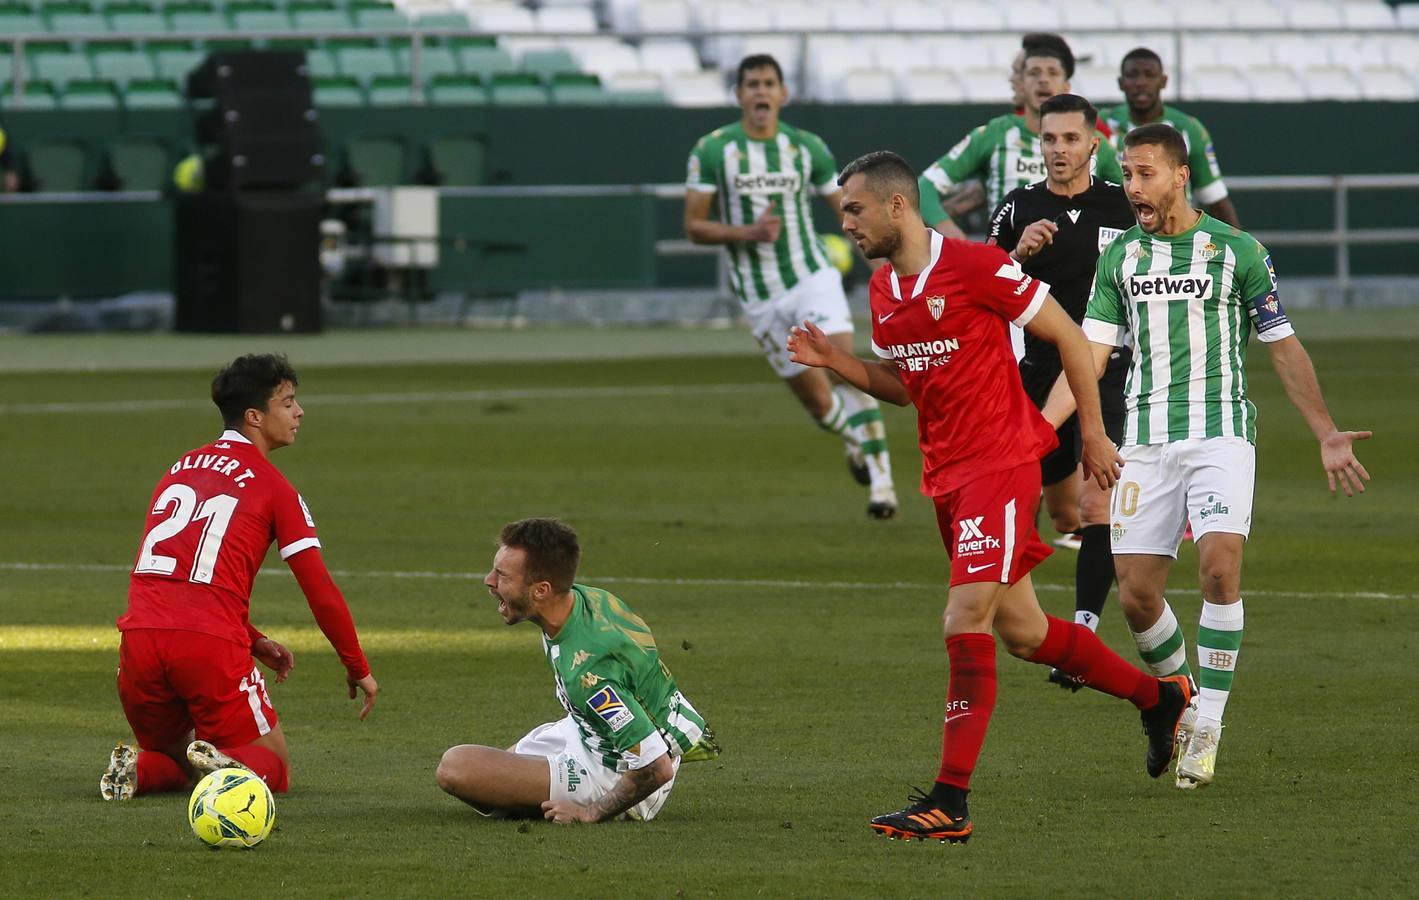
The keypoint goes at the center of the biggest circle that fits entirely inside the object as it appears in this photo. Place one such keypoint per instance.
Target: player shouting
(187, 675)
(939, 313)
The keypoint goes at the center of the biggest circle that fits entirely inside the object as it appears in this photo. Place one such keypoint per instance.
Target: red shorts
(175, 682)
(988, 526)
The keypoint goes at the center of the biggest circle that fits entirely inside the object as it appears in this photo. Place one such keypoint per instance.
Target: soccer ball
(839, 252)
(231, 808)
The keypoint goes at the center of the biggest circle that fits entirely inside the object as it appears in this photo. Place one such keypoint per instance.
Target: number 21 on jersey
(216, 512)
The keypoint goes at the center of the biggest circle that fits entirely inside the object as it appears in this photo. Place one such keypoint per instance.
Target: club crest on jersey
(936, 306)
(590, 680)
(607, 704)
(1208, 251)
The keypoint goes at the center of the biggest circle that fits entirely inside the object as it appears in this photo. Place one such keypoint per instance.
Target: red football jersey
(947, 331)
(212, 519)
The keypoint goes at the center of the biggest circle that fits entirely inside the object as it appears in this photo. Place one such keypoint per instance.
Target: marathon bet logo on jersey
(972, 540)
(1169, 287)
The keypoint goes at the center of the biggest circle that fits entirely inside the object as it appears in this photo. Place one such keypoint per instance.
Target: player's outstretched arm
(1337, 454)
(809, 346)
(701, 229)
(1100, 458)
(631, 788)
(333, 616)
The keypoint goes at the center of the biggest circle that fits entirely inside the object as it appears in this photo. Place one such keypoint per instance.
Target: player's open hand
(809, 346)
(1035, 237)
(565, 812)
(1101, 460)
(1337, 454)
(767, 226)
(276, 657)
(369, 686)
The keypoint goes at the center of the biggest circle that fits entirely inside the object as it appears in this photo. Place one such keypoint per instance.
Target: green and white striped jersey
(1186, 303)
(747, 175)
(1004, 155)
(612, 682)
(1206, 182)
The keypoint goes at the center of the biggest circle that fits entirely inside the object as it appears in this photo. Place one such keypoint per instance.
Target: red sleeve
(995, 281)
(331, 613)
(295, 529)
(252, 635)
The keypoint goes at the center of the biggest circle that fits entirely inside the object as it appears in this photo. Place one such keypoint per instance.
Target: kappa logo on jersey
(607, 704)
(762, 183)
(1168, 287)
(1107, 236)
(919, 356)
(590, 680)
(580, 657)
(971, 541)
(306, 510)
(936, 306)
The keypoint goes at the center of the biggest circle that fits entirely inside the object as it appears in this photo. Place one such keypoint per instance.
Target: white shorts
(818, 299)
(1206, 481)
(576, 775)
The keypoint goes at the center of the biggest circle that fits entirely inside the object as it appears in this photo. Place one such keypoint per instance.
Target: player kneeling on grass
(627, 727)
(187, 660)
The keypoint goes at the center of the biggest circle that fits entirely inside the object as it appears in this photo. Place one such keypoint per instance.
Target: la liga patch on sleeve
(607, 704)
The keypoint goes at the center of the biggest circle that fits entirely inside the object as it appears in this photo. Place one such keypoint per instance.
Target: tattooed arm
(632, 787)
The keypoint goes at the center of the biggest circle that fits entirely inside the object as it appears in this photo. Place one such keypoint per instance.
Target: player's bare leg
(857, 419)
(494, 781)
(1061, 501)
(1219, 643)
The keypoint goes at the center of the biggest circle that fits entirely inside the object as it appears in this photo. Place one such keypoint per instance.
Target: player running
(1141, 78)
(1005, 153)
(762, 172)
(1187, 290)
(1056, 230)
(627, 727)
(939, 313)
(187, 675)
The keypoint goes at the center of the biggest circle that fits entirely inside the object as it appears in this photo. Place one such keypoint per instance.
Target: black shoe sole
(1064, 681)
(947, 837)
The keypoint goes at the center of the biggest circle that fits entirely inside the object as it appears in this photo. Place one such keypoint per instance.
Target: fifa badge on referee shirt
(936, 306)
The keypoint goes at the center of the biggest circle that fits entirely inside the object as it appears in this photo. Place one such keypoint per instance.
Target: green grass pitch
(807, 634)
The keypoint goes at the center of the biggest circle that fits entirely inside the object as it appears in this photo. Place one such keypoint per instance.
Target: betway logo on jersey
(918, 356)
(971, 540)
(1168, 287)
(768, 183)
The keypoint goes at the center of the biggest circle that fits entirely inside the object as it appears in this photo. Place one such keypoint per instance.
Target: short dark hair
(248, 383)
(1140, 53)
(553, 553)
(886, 173)
(1043, 43)
(756, 61)
(1161, 135)
(1068, 103)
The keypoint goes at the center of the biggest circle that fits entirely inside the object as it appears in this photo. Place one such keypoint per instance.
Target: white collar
(233, 435)
(936, 243)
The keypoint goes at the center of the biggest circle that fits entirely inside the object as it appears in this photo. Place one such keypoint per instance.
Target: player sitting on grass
(627, 726)
(187, 659)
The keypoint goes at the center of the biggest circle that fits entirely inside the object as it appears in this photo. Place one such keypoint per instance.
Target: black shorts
(1039, 380)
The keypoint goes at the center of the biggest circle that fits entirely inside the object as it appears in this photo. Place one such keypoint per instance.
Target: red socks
(1075, 650)
(158, 772)
(970, 699)
(264, 763)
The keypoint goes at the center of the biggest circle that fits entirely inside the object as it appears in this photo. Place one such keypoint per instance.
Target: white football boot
(121, 779)
(1198, 763)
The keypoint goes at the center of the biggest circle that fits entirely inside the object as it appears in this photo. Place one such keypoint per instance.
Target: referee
(1057, 228)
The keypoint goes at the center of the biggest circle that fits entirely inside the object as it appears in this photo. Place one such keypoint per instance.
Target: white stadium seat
(1098, 84)
(1031, 15)
(1089, 14)
(1401, 50)
(930, 85)
(973, 15)
(1386, 83)
(1274, 83)
(634, 82)
(1330, 83)
(914, 15)
(1367, 15)
(669, 56)
(604, 60)
(900, 54)
(1203, 14)
(1299, 50)
(665, 15)
(502, 17)
(868, 86)
(1313, 14)
(853, 17)
(699, 89)
(800, 16)
(960, 52)
(1248, 14)
(984, 85)
(1407, 16)
(1217, 83)
(566, 19)
(828, 56)
(1146, 14)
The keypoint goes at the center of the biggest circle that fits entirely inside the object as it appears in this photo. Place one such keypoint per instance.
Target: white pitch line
(415, 575)
(314, 401)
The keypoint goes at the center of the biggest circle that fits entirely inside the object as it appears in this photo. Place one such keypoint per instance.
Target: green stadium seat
(376, 160)
(198, 21)
(154, 93)
(176, 62)
(304, 45)
(17, 19)
(338, 91)
(122, 67)
(229, 43)
(366, 62)
(457, 160)
(485, 62)
(77, 23)
(320, 63)
(261, 21)
(455, 90)
(637, 98)
(517, 89)
(570, 89)
(340, 43)
(432, 61)
(110, 45)
(90, 93)
(60, 67)
(58, 164)
(38, 95)
(445, 19)
(321, 20)
(460, 41)
(390, 90)
(547, 64)
(138, 163)
(135, 22)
